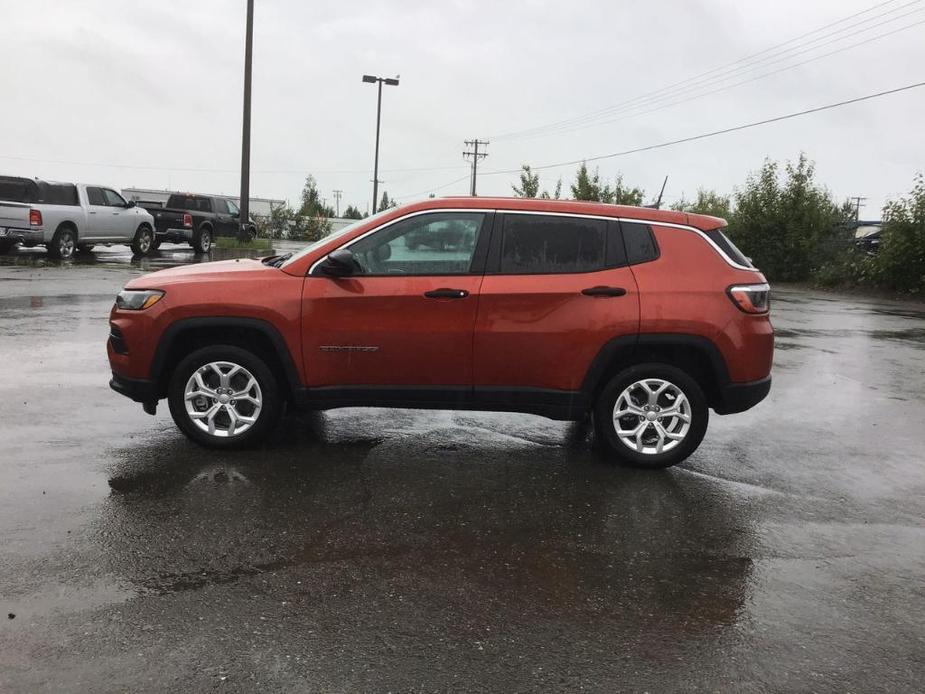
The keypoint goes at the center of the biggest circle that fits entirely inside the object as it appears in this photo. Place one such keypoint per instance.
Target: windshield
(336, 235)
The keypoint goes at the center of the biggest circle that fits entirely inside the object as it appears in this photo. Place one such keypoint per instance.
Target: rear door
(98, 216)
(405, 319)
(557, 288)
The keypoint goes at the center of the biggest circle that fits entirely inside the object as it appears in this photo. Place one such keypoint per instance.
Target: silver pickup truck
(67, 217)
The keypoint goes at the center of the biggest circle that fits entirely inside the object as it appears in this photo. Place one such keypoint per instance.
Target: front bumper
(738, 397)
(28, 237)
(137, 389)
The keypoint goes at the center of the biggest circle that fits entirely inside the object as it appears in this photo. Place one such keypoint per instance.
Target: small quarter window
(639, 241)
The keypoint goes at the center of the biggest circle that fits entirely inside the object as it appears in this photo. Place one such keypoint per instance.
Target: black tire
(202, 240)
(85, 247)
(6, 246)
(605, 427)
(251, 233)
(63, 244)
(141, 244)
(156, 243)
(269, 394)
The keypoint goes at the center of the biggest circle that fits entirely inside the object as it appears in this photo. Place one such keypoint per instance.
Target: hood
(202, 272)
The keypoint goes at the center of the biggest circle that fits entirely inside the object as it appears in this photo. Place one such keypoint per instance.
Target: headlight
(138, 299)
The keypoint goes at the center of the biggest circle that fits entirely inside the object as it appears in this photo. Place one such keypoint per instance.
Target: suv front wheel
(651, 416)
(224, 397)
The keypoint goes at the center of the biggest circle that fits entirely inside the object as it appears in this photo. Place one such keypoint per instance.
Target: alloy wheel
(652, 416)
(223, 399)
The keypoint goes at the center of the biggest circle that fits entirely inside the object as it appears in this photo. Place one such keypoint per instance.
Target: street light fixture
(392, 82)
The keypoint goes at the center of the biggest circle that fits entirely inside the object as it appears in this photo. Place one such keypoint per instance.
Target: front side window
(442, 243)
(232, 208)
(221, 207)
(540, 244)
(113, 199)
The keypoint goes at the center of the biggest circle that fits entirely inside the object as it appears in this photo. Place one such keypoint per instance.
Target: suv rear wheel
(651, 416)
(224, 397)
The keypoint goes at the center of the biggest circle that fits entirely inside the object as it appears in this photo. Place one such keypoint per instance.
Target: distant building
(259, 207)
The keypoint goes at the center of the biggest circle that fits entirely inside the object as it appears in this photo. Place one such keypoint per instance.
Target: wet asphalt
(373, 550)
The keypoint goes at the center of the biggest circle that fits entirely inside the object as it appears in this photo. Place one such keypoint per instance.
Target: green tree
(529, 183)
(386, 202)
(588, 186)
(352, 213)
(557, 193)
(787, 223)
(707, 202)
(900, 261)
(312, 204)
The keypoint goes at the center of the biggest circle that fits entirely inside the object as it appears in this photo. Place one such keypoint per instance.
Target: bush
(788, 225)
(900, 261)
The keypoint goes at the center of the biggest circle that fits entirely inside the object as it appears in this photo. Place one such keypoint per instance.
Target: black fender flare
(177, 328)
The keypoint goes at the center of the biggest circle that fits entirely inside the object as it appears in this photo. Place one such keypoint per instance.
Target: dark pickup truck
(196, 220)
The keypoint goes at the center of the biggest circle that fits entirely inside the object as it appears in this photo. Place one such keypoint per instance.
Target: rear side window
(193, 203)
(541, 244)
(95, 196)
(58, 193)
(639, 241)
(728, 247)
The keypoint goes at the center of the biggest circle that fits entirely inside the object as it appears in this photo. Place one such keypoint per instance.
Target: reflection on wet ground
(409, 550)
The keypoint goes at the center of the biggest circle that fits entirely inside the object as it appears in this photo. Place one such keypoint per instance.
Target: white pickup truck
(67, 217)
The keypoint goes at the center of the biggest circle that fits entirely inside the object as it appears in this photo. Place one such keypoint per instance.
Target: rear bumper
(738, 397)
(174, 235)
(137, 389)
(25, 236)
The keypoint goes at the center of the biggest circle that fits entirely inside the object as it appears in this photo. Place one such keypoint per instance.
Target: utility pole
(245, 199)
(337, 194)
(476, 155)
(857, 207)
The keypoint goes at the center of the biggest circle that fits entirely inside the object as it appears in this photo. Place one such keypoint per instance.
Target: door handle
(604, 291)
(444, 293)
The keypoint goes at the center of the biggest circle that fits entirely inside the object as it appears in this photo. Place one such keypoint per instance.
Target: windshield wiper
(276, 260)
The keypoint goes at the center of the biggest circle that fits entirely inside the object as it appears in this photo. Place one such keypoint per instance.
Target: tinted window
(193, 203)
(17, 189)
(95, 196)
(442, 243)
(639, 241)
(58, 193)
(232, 208)
(113, 199)
(551, 244)
(729, 248)
(221, 207)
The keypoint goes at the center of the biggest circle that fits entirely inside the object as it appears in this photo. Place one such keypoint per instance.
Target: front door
(557, 288)
(404, 320)
(225, 223)
(121, 220)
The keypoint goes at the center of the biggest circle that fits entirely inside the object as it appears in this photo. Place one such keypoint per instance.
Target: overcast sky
(148, 94)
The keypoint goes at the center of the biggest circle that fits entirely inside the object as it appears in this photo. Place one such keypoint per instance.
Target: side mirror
(130, 203)
(339, 263)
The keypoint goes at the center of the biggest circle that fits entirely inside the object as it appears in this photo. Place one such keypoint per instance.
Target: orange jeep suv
(643, 319)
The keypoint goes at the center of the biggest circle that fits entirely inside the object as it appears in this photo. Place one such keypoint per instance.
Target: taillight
(187, 219)
(35, 218)
(751, 298)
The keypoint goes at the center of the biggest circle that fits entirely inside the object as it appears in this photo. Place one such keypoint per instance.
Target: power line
(476, 156)
(737, 84)
(714, 133)
(723, 70)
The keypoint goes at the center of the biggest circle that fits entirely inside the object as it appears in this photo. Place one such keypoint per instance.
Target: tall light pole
(392, 81)
(244, 207)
